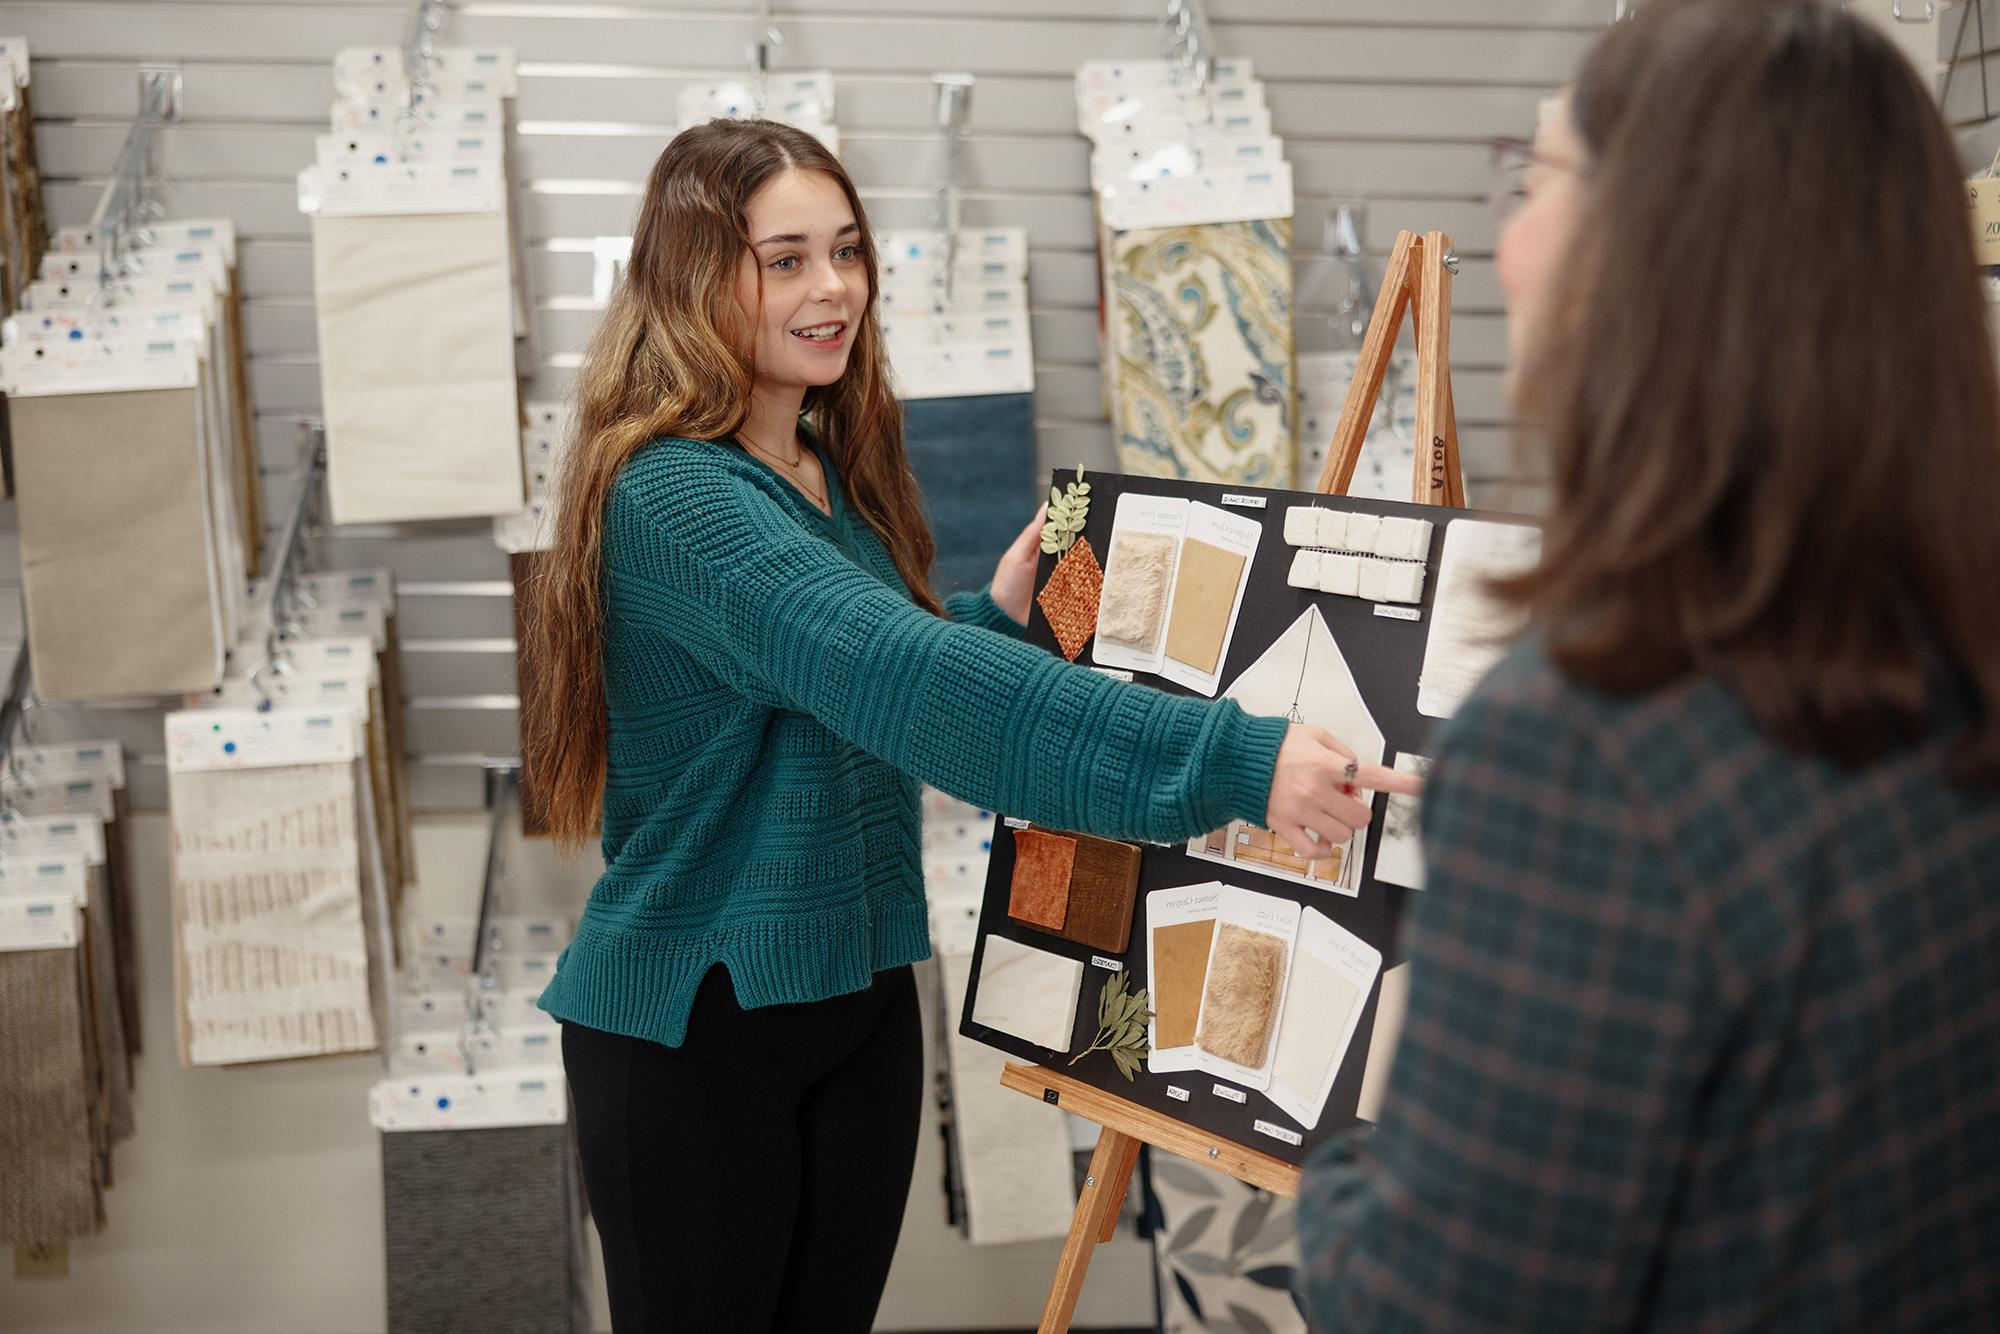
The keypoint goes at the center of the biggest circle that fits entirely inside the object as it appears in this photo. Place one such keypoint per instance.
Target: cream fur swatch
(1135, 590)
(1245, 980)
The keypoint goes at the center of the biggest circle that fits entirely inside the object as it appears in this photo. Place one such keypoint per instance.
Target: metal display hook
(951, 110)
(763, 38)
(503, 799)
(127, 199)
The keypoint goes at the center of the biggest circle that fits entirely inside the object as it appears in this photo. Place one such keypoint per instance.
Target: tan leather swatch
(1180, 968)
(1204, 595)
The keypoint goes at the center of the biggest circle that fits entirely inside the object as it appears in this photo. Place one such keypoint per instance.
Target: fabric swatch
(1204, 596)
(1028, 993)
(1202, 344)
(416, 337)
(48, 1159)
(1069, 599)
(117, 548)
(1246, 980)
(974, 459)
(1317, 1009)
(1103, 887)
(1039, 895)
(1135, 590)
(484, 1231)
(1391, 1005)
(1180, 975)
(107, 1020)
(272, 961)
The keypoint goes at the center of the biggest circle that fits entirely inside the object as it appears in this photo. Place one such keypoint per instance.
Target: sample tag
(1014, 822)
(1399, 613)
(1177, 1093)
(1279, 1133)
(1114, 673)
(1234, 1095)
(1111, 965)
(1244, 502)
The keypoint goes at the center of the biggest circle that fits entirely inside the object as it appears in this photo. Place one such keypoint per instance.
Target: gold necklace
(817, 497)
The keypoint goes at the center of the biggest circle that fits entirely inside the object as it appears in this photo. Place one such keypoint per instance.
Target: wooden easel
(1418, 277)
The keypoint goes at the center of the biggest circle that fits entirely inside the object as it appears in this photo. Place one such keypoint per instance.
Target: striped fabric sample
(484, 1231)
(48, 1155)
(271, 958)
(1201, 333)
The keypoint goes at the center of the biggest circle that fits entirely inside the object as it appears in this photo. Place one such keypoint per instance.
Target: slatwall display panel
(1388, 102)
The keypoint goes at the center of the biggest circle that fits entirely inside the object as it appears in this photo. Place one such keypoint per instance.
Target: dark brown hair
(672, 357)
(1768, 384)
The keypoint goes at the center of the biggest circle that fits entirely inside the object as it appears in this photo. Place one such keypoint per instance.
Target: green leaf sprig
(1068, 508)
(1122, 1017)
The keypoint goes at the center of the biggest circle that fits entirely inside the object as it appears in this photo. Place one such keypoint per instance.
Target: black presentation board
(1386, 655)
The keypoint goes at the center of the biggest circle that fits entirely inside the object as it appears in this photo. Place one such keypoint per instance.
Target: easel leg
(1097, 1210)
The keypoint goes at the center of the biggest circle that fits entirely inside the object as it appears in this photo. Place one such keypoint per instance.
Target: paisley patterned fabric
(1201, 340)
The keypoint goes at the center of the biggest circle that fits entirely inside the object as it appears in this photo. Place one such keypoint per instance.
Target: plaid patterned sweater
(774, 699)
(1703, 1035)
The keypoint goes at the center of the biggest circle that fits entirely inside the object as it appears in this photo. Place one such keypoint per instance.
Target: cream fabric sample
(271, 960)
(1014, 1152)
(1390, 1008)
(1134, 601)
(1317, 1007)
(416, 340)
(116, 544)
(1027, 992)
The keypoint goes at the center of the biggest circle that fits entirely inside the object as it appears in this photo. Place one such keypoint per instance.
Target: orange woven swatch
(1069, 598)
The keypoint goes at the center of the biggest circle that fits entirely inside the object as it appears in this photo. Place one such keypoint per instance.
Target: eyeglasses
(1507, 185)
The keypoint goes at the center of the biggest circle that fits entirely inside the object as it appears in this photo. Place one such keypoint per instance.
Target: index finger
(1380, 778)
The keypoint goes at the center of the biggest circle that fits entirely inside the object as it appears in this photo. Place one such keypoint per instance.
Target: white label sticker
(1244, 502)
(1177, 1093)
(1110, 964)
(1399, 613)
(1279, 1132)
(1113, 672)
(1014, 822)
(1234, 1095)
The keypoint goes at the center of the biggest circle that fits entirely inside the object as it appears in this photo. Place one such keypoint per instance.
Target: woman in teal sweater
(737, 662)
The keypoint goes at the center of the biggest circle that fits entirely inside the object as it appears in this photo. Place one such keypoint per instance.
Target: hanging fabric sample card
(954, 319)
(411, 280)
(1333, 971)
(271, 958)
(482, 1204)
(119, 557)
(49, 1179)
(1247, 972)
(1202, 329)
(1180, 929)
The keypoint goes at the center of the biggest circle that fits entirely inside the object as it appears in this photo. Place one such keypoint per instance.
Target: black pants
(753, 1178)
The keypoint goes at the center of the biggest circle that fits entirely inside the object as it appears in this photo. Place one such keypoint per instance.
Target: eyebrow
(800, 238)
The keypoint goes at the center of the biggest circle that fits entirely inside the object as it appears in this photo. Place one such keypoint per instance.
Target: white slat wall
(1386, 101)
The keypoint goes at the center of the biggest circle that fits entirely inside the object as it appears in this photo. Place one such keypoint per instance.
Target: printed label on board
(1280, 1133)
(1234, 1095)
(1111, 965)
(1014, 822)
(1177, 1093)
(1399, 613)
(1113, 672)
(1244, 502)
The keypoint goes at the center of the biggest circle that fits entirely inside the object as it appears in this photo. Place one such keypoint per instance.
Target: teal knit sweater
(775, 698)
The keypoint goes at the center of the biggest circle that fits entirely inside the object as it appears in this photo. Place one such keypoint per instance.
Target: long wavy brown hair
(1769, 384)
(674, 356)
